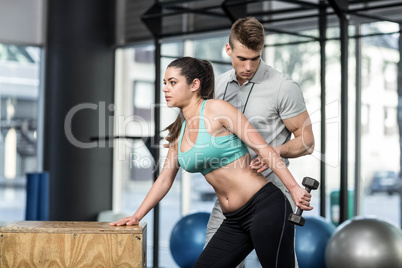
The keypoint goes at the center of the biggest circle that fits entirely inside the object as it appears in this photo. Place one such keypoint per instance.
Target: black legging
(261, 224)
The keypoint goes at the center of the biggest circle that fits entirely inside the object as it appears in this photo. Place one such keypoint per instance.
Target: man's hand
(166, 145)
(259, 164)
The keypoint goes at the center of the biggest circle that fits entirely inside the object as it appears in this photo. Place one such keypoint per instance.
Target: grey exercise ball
(365, 242)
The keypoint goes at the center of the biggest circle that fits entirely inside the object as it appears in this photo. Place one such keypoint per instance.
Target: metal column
(340, 6)
(323, 35)
(155, 144)
(356, 203)
(344, 120)
(399, 115)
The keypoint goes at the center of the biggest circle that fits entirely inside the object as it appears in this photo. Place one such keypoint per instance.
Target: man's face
(244, 60)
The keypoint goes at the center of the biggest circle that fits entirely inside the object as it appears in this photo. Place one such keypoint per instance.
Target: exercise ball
(311, 242)
(365, 242)
(187, 239)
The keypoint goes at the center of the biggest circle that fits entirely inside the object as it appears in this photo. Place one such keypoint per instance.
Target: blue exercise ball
(311, 242)
(365, 242)
(187, 239)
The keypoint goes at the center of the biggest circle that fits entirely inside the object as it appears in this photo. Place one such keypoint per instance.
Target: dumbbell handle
(298, 210)
(296, 218)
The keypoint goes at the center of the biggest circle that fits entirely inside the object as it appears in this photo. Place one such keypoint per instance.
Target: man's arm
(303, 141)
(301, 144)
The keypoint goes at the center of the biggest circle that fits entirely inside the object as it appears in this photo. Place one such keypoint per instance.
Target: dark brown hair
(192, 68)
(249, 32)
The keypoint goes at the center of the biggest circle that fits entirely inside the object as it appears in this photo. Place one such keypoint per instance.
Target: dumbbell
(309, 184)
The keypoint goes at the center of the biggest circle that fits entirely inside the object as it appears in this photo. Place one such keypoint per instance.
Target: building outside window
(19, 114)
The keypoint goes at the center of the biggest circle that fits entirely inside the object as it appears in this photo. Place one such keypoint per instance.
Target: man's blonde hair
(249, 32)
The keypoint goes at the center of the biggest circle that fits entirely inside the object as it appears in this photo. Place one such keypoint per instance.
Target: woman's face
(176, 89)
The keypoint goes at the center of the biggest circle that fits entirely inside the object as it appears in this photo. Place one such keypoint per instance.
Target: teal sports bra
(209, 152)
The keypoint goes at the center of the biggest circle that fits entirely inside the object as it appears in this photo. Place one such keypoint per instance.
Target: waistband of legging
(270, 187)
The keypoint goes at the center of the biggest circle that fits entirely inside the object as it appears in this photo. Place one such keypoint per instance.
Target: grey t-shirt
(265, 100)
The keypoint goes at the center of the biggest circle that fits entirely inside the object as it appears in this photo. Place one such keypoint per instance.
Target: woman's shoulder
(220, 109)
(218, 104)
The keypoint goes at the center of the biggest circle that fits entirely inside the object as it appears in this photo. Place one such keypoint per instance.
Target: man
(273, 103)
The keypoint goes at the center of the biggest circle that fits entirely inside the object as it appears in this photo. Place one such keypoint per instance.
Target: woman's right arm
(158, 190)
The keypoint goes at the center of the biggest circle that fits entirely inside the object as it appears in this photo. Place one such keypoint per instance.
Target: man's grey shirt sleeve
(290, 99)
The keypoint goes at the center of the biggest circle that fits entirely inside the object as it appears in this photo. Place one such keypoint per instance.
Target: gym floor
(12, 208)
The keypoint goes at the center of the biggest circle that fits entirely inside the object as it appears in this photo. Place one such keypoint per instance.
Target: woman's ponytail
(208, 82)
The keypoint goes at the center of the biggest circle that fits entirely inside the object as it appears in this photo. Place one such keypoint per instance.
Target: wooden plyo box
(72, 244)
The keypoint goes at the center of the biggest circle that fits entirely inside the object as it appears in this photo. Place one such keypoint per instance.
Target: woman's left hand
(126, 221)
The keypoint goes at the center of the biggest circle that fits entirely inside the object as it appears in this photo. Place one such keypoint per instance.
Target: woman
(212, 140)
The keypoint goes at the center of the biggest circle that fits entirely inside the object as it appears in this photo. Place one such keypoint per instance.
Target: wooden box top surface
(76, 227)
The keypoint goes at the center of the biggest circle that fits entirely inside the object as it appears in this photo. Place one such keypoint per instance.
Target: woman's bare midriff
(235, 183)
